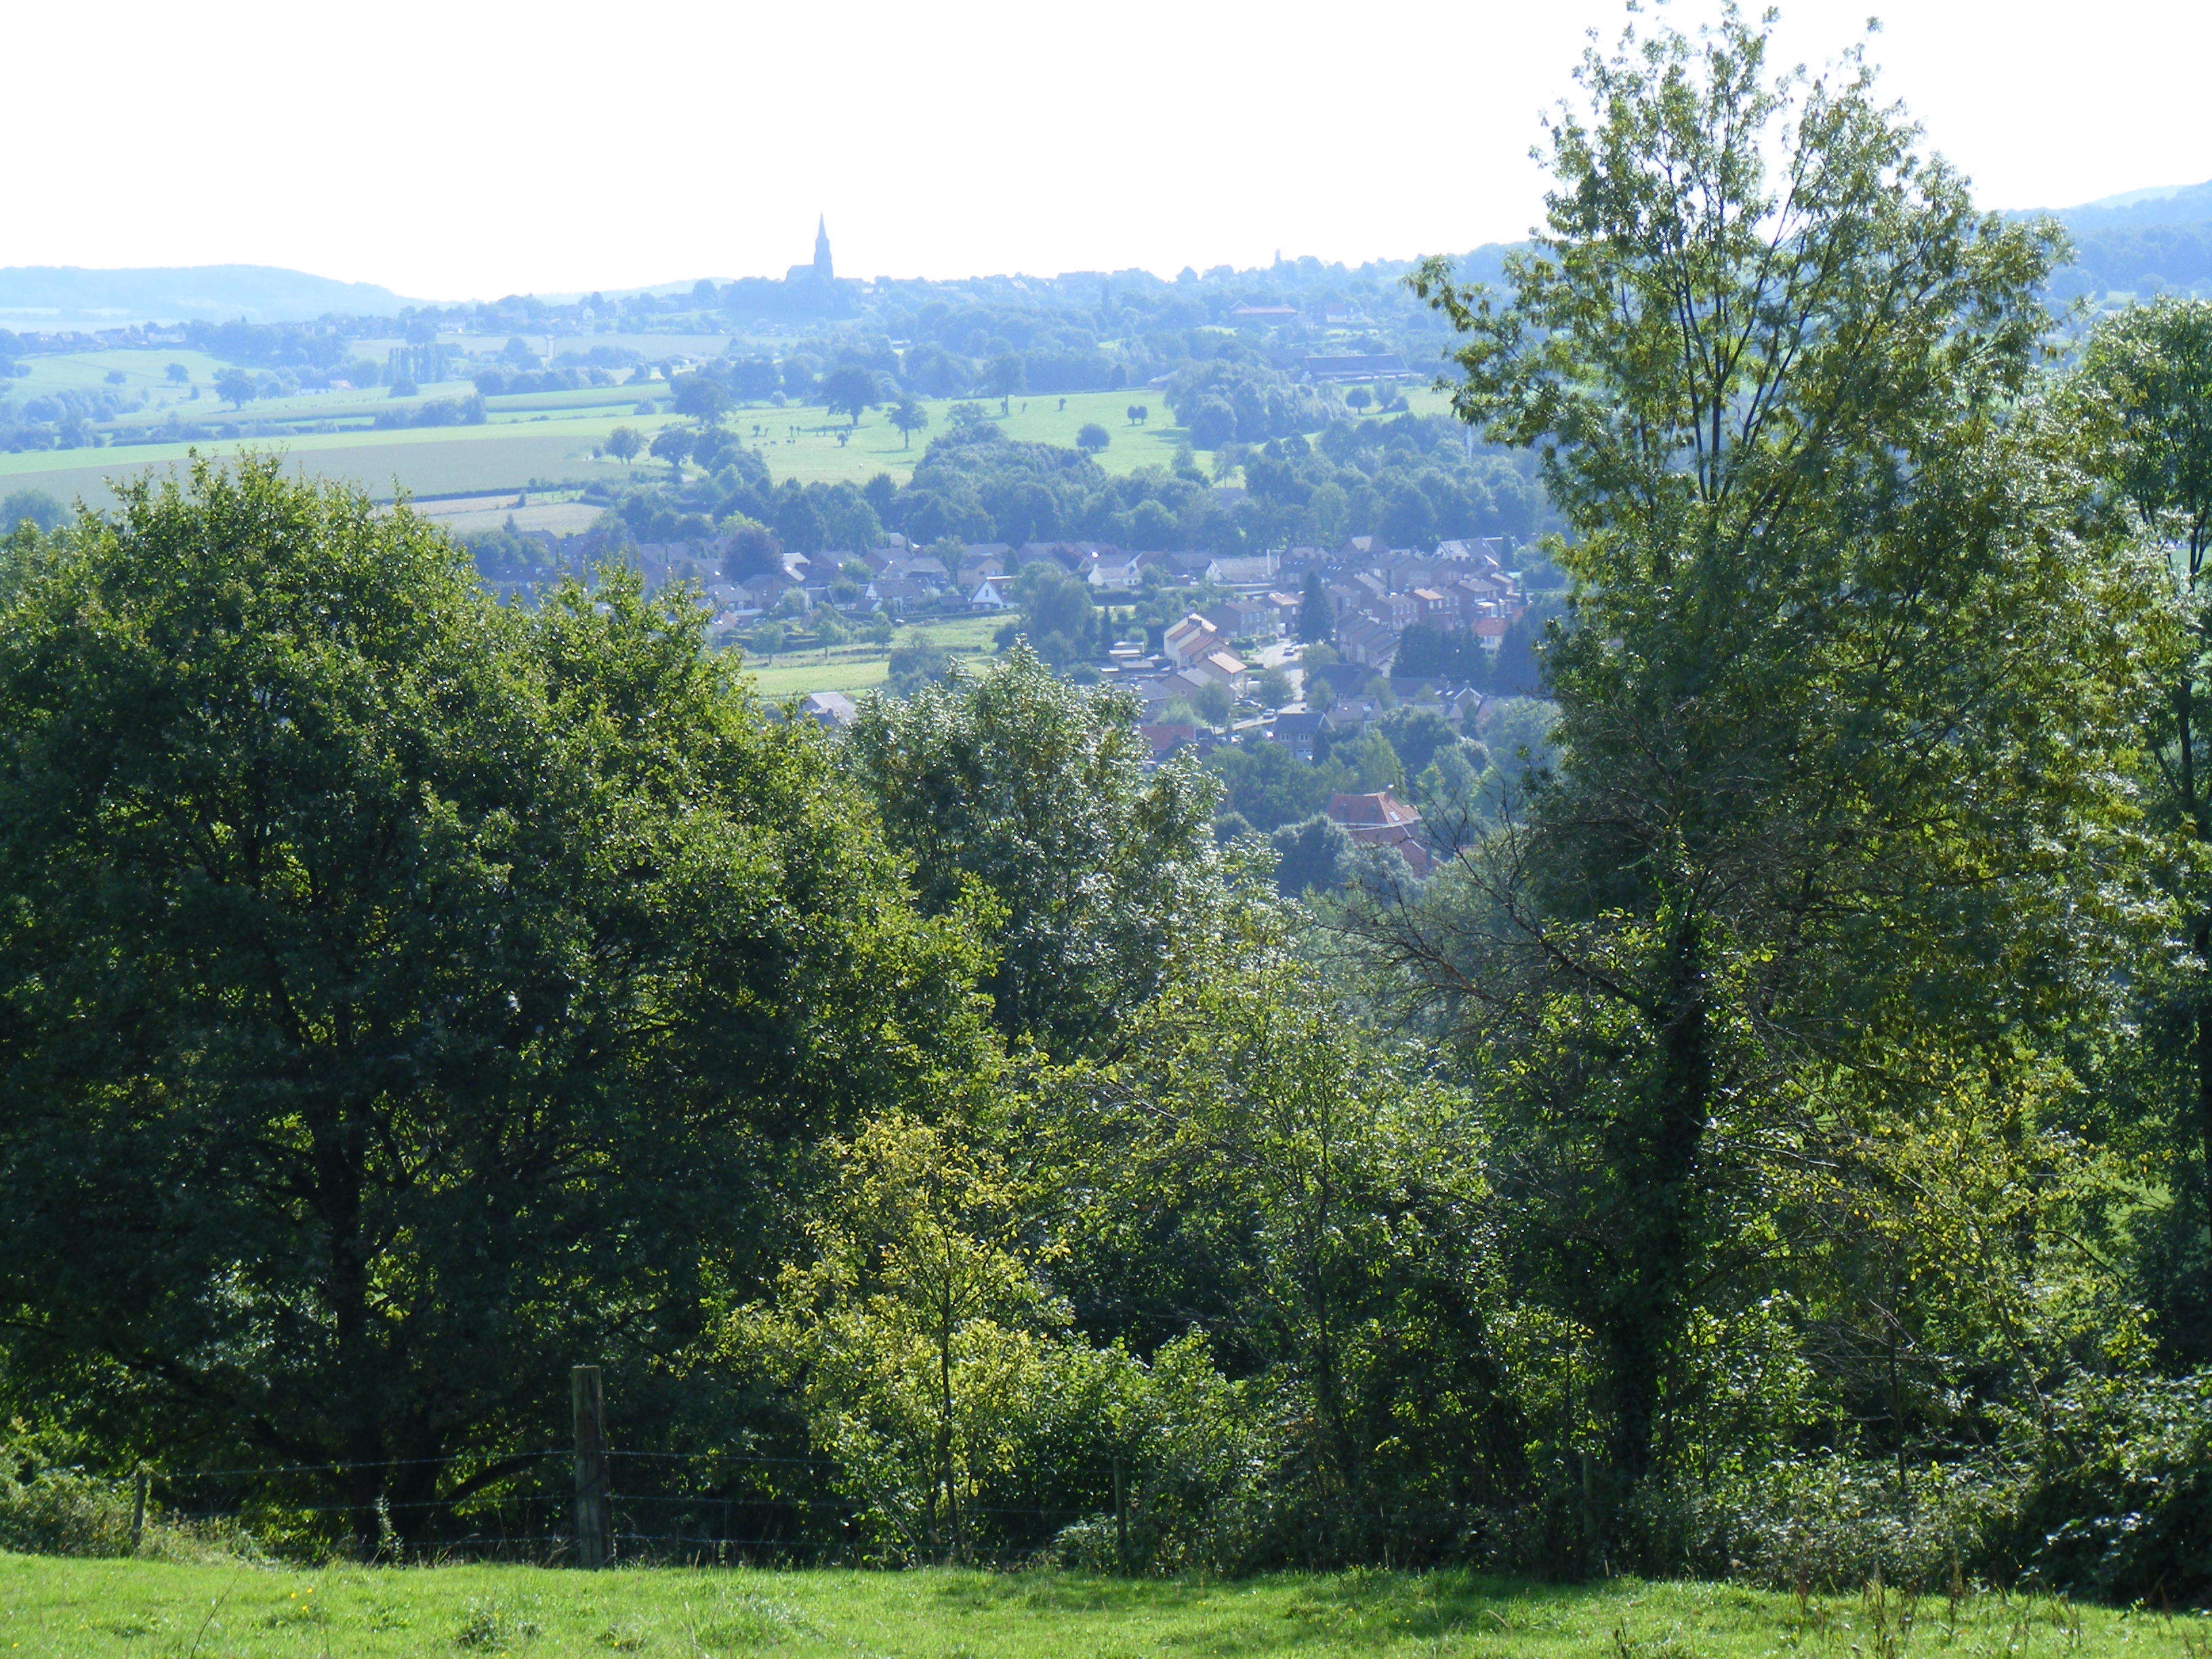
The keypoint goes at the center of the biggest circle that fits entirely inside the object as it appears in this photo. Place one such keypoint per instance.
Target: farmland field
(82, 1609)
(429, 461)
(551, 436)
(855, 669)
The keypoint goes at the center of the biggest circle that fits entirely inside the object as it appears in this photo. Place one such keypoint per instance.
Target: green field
(854, 669)
(53, 1608)
(551, 436)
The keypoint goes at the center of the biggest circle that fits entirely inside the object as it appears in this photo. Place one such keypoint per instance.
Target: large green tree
(1841, 709)
(1035, 795)
(2147, 384)
(403, 996)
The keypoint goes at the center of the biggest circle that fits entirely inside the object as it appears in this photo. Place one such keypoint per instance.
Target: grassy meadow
(57, 1608)
(549, 437)
(856, 668)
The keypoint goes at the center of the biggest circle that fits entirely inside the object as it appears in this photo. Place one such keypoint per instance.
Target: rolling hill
(53, 297)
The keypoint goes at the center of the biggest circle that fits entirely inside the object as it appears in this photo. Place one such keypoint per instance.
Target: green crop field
(428, 461)
(549, 436)
(53, 1608)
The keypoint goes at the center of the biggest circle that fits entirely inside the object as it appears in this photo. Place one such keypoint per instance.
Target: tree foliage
(1033, 795)
(396, 985)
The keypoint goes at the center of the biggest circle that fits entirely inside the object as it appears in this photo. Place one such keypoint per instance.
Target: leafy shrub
(59, 1511)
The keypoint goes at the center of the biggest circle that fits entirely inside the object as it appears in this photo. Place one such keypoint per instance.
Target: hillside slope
(46, 297)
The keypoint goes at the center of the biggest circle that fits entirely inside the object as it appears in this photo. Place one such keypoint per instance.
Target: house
(989, 595)
(1193, 637)
(1252, 619)
(1460, 705)
(1224, 668)
(1489, 550)
(1117, 574)
(1367, 642)
(1397, 611)
(1490, 633)
(1256, 571)
(833, 709)
(1296, 730)
(766, 592)
(1370, 365)
(1352, 714)
(1382, 820)
(920, 568)
(896, 594)
(1358, 549)
(1166, 737)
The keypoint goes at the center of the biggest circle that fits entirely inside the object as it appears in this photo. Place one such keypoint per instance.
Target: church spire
(824, 272)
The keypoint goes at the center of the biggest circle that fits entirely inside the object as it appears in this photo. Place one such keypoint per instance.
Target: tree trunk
(338, 1202)
(2203, 944)
(1651, 1307)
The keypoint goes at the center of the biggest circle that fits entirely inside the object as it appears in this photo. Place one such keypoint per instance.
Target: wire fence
(713, 1507)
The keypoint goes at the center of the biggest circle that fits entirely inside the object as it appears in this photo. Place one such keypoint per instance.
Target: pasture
(854, 669)
(548, 437)
(55, 1608)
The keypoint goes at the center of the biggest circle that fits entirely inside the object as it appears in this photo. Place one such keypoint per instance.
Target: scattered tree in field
(851, 390)
(1358, 397)
(1004, 377)
(234, 387)
(1092, 438)
(701, 397)
(910, 417)
(623, 443)
(672, 444)
(178, 373)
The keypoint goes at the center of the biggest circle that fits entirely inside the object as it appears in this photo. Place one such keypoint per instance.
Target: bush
(57, 1511)
(49, 1510)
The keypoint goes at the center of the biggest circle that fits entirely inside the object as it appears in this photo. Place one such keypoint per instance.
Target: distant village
(1374, 593)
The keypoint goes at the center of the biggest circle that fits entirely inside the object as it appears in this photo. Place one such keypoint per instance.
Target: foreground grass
(72, 1609)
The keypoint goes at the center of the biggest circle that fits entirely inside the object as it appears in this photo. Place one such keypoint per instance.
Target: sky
(465, 150)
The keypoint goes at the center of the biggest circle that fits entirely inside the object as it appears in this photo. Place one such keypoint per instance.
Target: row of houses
(1464, 585)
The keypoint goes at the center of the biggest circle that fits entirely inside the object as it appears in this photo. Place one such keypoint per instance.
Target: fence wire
(711, 1507)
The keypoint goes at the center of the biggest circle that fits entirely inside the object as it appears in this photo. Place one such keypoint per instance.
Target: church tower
(823, 272)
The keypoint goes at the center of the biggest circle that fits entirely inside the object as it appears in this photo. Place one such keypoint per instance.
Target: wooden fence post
(1121, 1518)
(593, 1541)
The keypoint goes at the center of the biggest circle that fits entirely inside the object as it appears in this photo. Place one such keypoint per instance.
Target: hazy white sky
(466, 149)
